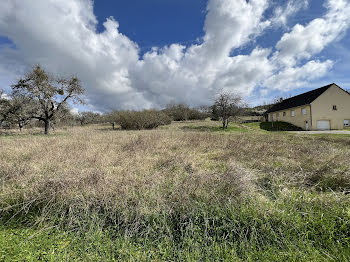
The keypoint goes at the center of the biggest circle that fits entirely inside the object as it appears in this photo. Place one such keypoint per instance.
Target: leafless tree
(89, 118)
(226, 106)
(49, 94)
(3, 106)
(204, 109)
(182, 112)
(17, 109)
(178, 112)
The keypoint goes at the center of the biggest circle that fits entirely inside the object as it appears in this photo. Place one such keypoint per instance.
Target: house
(324, 108)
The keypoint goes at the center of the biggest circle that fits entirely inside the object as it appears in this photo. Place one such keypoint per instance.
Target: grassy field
(184, 192)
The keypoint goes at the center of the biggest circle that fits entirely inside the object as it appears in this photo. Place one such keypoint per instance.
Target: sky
(137, 54)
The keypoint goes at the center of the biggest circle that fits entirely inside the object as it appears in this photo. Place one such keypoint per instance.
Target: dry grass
(92, 176)
(156, 169)
(150, 170)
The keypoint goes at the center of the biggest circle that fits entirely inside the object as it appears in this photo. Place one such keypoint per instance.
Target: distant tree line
(88, 118)
(149, 119)
(42, 100)
(138, 120)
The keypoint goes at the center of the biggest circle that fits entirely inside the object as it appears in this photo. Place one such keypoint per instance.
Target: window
(284, 113)
(303, 111)
(293, 113)
(346, 122)
(334, 107)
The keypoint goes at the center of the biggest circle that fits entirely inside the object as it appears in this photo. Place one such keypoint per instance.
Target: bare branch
(48, 95)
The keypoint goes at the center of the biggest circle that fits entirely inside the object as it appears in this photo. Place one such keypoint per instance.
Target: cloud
(5, 96)
(74, 111)
(62, 36)
(282, 14)
(305, 41)
(294, 77)
(302, 43)
(193, 75)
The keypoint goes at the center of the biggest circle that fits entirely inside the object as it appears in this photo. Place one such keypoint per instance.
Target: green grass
(53, 245)
(184, 193)
(297, 227)
(205, 128)
(330, 135)
(255, 125)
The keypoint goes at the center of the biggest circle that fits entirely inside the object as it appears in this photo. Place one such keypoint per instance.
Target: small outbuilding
(325, 108)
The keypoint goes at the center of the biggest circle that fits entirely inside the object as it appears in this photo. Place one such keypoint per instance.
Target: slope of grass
(169, 194)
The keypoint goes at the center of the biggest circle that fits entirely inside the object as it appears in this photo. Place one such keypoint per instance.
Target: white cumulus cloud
(293, 58)
(62, 36)
(294, 77)
(305, 41)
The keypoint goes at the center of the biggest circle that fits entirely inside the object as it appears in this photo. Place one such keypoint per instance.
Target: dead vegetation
(178, 179)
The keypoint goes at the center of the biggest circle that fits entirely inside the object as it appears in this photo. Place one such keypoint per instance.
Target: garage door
(323, 125)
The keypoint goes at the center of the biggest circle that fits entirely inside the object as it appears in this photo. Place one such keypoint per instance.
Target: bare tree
(63, 116)
(226, 106)
(3, 106)
(204, 109)
(89, 118)
(49, 94)
(178, 112)
(182, 112)
(17, 109)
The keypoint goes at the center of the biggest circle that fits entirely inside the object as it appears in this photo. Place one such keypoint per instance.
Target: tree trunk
(47, 127)
(223, 123)
(20, 127)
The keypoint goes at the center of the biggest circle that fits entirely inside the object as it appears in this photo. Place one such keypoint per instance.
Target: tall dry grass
(150, 171)
(179, 183)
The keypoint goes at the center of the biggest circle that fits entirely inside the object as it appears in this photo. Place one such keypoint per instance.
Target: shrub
(194, 114)
(279, 126)
(181, 112)
(138, 120)
(86, 118)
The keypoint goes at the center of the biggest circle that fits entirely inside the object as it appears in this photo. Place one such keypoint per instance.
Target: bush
(86, 118)
(181, 112)
(279, 126)
(138, 120)
(194, 114)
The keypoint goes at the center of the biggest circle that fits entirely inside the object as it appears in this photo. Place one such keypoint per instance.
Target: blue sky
(141, 54)
(155, 22)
